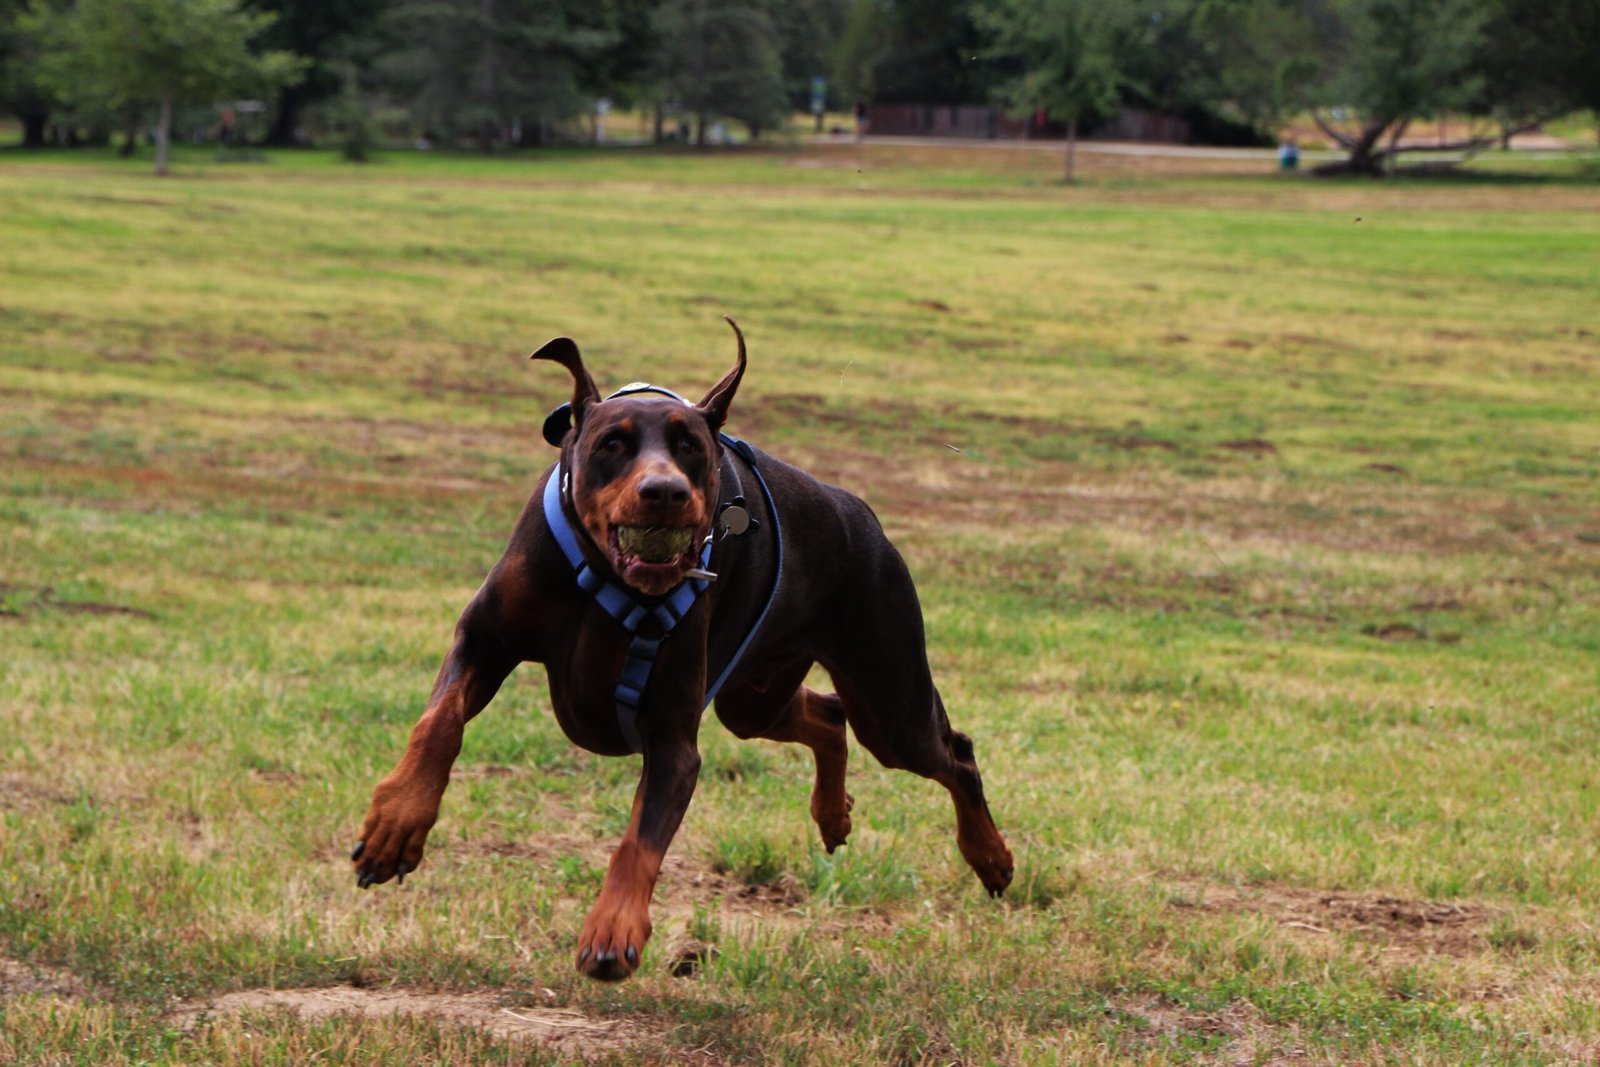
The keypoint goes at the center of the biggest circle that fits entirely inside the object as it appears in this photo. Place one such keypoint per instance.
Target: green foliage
(721, 58)
(1070, 54)
(329, 35)
(143, 54)
(358, 131)
(140, 52)
(1265, 54)
(1408, 59)
(1068, 49)
(497, 70)
(920, 51)
(807, 32)
(864, 43)
(21, 89)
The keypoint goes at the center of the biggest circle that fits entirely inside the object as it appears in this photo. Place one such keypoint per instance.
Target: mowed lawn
(1256, 522)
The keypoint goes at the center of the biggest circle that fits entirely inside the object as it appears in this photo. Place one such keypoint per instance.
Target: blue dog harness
(627, 607)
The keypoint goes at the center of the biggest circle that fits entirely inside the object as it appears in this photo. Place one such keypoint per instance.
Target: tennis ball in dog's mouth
(654, 544)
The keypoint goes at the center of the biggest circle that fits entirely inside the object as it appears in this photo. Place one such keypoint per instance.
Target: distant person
(1288, 154)
(861, 118)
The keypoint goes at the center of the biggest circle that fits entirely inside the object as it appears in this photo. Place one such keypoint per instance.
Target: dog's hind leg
(879, 663)
(808, 718)
(934, 751)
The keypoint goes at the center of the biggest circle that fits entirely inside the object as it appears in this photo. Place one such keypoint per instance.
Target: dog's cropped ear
(564, 350)
(715, 406)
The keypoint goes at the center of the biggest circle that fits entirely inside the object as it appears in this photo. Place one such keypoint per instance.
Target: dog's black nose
(664, 489)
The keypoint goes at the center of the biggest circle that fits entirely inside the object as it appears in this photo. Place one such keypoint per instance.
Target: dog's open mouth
(652, 558)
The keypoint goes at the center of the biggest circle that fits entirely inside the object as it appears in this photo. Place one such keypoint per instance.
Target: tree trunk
(660, 121)
(1362, 159)
(130, 141)
(34, 123)
(1394, 142)
(490, 101)
(1072, 146)
(163, 135)
(286, 122)
(700, 130)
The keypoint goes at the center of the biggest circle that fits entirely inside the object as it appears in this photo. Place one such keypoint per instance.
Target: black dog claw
(401, 871)
(633, 955)
(605, 957)
(584, 955)
(355, 853)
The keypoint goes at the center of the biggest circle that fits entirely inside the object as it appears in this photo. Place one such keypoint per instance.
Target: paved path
(1156, 149)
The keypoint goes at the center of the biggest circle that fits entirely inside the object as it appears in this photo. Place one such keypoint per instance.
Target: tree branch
(1471, 144)
(1345, 141)
(1475, 143)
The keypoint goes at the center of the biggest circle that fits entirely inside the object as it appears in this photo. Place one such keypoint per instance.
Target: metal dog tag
(735, 520)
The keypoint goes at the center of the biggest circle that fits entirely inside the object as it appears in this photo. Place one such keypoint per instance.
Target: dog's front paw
(993, 866)
(394, 832)
(612, 940)
(834, 824)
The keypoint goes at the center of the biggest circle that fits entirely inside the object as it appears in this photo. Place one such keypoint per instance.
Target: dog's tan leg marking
(618, 925)
(405, 804)
(816, 720)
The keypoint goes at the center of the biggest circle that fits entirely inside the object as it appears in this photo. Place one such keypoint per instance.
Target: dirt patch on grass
(507, 1017)
(19, 601)
(19, 977)
(1399, 924)
(1254, 446)
(1238, 1027)
(18, 793)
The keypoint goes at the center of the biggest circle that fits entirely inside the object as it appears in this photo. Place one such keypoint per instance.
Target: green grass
(1255, 523)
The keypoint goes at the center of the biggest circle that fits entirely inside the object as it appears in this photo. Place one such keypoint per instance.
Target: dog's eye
(612, 444)
(688, 446)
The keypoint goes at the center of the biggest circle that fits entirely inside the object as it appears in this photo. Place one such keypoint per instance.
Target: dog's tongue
(654, 544)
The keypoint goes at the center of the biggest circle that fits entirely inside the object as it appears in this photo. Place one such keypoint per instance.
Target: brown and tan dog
(804, 575)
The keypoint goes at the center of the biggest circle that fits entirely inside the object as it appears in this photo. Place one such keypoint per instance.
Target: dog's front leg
(406, 803)
(619, 923)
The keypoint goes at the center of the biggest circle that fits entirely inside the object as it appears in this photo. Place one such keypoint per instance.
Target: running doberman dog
(606, 581)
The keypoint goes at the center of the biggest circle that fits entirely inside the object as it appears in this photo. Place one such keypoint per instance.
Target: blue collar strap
(630, 612)
(621, 604)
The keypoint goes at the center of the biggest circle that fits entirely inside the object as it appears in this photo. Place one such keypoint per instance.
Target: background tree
(623, 70)
(1264, 55)
(502, 70)
(1540, 58)
(20, 88)
(159, 54)
(808, 32)
(865, 41)
(1402, 60)
(721, 58)
(1069, 54)
(329, 35)
(933, 54)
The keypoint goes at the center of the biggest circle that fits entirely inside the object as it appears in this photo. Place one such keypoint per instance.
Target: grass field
(1257, 525)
